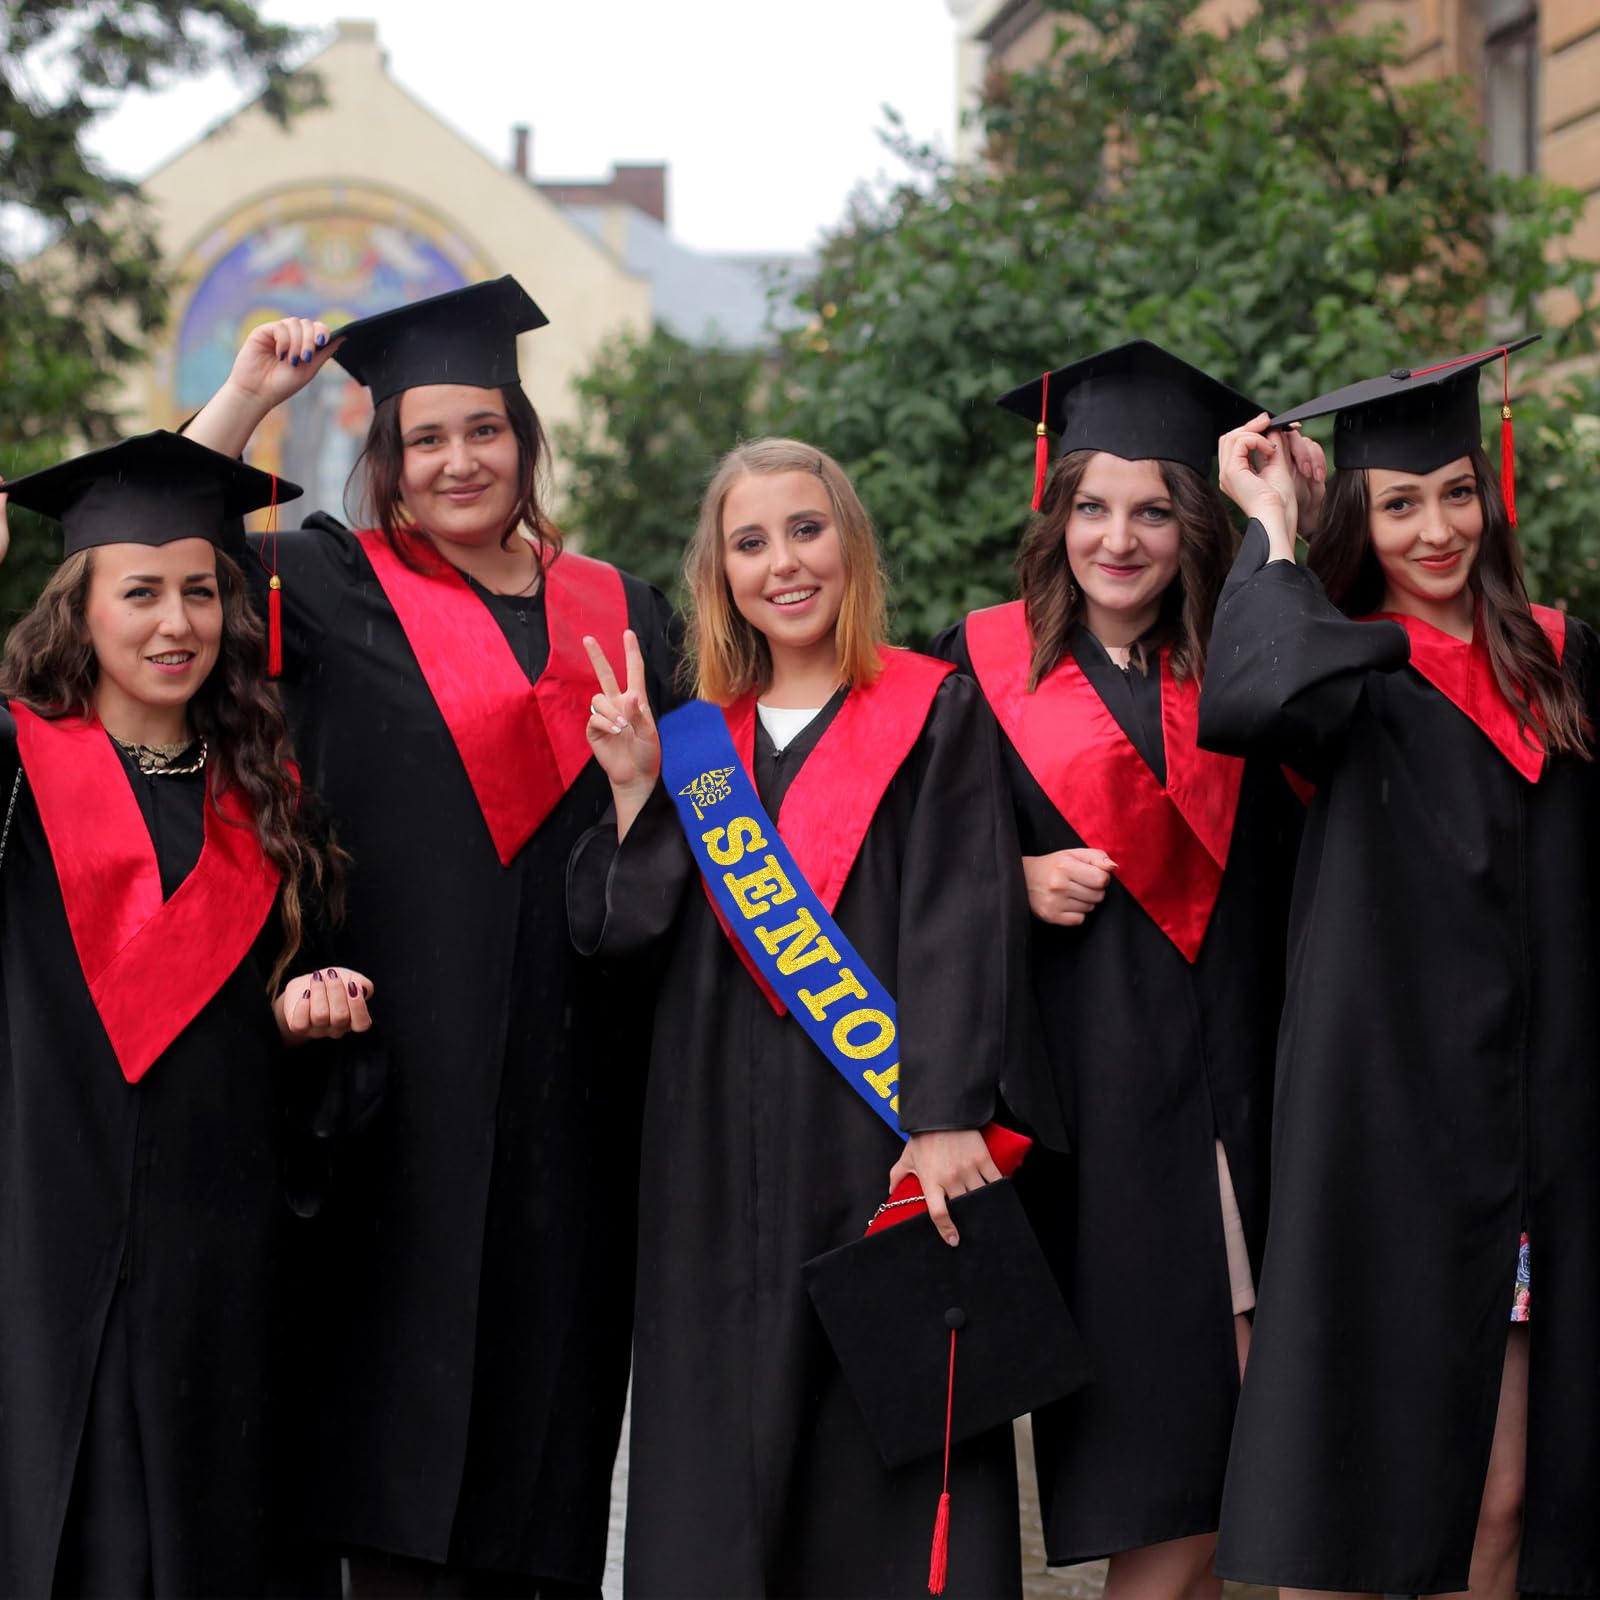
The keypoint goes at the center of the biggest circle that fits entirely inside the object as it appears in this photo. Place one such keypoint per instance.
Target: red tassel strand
(938, 1565)
(1041, 446)
(939, 1557)
(275, 626)
(274, 588)
(1508, 446)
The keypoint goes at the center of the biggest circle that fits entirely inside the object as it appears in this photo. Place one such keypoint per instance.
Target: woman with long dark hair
(1158, 880)
(157, 880)
(473, 1292)
(1424, 1400)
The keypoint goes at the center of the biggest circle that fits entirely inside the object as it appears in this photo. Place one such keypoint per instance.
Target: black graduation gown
(1437, 1092)
(468, 1308)
(750, 1470)
(139, 1235)
(1148, 1060)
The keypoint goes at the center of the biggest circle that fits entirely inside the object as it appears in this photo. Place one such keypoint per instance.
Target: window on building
(1511, 84)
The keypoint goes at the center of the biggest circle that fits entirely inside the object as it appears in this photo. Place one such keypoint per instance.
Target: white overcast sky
(767, 111)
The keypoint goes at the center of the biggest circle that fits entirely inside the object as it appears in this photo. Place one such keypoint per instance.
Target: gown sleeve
(961, 978)
(1286, 669)
(622, 898)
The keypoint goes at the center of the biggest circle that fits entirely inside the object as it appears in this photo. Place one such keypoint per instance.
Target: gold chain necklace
(156, 760)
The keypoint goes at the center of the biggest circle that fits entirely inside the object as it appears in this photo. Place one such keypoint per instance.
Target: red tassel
(938, 1564)
(274, 588)
(275, 626)
(939, 1557)
(1508, 448)
(1041, 446)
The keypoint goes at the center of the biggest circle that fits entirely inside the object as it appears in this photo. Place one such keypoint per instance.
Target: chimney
(521, 142)
(642, 185)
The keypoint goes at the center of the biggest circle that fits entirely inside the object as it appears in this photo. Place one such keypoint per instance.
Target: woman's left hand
(949, 1162)
(1310, 467)
(323, 1005)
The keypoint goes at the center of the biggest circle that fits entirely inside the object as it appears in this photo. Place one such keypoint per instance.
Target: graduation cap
(153, 489)
(464, 336)
(1136, 401)
(1415, 420)
(940, 1344)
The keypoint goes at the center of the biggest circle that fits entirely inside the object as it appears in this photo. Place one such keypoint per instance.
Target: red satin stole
(829, 806)
(1170, 844)
(522, 744)
(151, 965)
(1462, 672)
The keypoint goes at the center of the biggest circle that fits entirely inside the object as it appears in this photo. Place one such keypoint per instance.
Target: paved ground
(1039, 1582)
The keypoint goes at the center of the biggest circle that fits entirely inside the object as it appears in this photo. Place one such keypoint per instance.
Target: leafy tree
(80, 275)
(655, 416)
(1268, 202)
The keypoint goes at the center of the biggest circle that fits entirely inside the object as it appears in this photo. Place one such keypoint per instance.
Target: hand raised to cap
(1254, 470)
(279, 359)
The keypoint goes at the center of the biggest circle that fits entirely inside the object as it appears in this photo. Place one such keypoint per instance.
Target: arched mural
(334, 254)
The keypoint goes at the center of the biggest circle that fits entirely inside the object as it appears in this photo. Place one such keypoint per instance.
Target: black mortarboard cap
(1409, 420)
(889, 1302)
(153, 489)
(1136, 401)
(464, 336)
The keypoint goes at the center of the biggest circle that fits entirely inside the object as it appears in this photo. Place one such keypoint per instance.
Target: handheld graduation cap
(1416, 420)
(1136, 401)
(154, 489)
(465, 336)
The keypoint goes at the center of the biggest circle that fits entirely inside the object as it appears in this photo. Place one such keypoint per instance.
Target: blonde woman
(751, 1470)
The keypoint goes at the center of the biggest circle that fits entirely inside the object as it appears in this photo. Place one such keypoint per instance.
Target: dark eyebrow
(472, 416)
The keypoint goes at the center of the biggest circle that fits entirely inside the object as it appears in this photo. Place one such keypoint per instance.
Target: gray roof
(702, 298)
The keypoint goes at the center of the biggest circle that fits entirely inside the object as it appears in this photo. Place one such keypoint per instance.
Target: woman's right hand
(279, 359)
(622, 731)
(1255, 471)
(1066, 885)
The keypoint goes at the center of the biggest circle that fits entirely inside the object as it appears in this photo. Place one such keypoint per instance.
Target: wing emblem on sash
(709, 789)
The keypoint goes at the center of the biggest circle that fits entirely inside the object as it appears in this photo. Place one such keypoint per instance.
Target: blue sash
(778, 919)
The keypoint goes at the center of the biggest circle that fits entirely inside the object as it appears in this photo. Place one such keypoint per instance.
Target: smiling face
(1426, 530)
(461, 466)
(154, 618)
(783, 559)
(1122, 542)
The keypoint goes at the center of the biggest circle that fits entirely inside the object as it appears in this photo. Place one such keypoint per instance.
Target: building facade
(371, 201)
(1531, 66)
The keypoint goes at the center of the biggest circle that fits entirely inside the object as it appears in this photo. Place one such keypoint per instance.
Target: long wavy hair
(1183, 624)
(382, 504)
(726, 656)
(1547, 701)
(50, 666)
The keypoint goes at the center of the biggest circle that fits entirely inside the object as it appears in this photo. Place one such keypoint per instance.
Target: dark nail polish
(352, 988)
(317, 975)
(306, 995)
(322, 339)
(282, 354)
(294, 361)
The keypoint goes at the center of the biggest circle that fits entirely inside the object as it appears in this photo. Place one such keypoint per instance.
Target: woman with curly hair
(474, 1264)
(1158, 880)
(156, 881)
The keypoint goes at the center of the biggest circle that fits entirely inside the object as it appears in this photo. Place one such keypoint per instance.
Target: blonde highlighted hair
(727, 656)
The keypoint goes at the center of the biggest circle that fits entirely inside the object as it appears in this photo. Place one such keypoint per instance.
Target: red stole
(151, 965)
(1170, 844)
(1462, 672)
(522, 744)
(834, 797)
